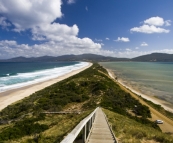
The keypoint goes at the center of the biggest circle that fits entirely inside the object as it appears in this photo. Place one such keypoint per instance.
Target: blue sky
(118, 28)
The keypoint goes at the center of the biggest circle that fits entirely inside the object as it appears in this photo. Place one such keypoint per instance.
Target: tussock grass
(82, 92)
(59, 127)
(130, 131)
(159, 108)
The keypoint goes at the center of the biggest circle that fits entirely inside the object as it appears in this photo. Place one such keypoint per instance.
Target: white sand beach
(11, 96)
(151, 98)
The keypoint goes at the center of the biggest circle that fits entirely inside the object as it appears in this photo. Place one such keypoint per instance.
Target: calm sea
(155, 79)
(15, 75)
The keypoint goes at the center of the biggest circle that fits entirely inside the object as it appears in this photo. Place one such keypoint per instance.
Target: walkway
(100, 132)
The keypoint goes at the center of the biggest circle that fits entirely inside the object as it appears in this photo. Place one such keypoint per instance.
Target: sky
(117, 28)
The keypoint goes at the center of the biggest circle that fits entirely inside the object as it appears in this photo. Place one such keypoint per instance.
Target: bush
(23, 128)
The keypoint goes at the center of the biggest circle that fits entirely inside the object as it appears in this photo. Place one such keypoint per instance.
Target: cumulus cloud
(152, 25)
(99, 40)
(136, 48)
(168, 23)
(127, 49)
(107, 38)
(39, 18)
(13, 49)
(3, 22)
(55, 31)
(149, 29)
(122, 39)
(24, 14)
(144, 44)
(71, 1)
(157, 21)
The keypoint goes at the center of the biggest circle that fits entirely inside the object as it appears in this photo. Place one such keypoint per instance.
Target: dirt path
(166, 127)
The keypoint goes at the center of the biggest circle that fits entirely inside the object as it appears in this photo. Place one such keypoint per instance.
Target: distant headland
(154, 57)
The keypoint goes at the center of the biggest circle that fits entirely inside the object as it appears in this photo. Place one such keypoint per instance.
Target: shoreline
(14, 95)
(150, 98)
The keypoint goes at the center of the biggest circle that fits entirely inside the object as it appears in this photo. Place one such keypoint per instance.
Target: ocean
(16, 75)
(149, 78)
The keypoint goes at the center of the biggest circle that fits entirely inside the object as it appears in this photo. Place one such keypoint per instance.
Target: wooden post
(84, 134)
(91, 121)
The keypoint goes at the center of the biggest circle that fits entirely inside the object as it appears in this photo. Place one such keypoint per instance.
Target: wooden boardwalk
(101, 132)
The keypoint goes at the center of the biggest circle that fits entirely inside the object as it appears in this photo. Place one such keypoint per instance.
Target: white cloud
(12, 49)
(157, 21)
(136, 48)
(127, 49)
(3, 22)
(99, 40)
(152, 25)
(149, 29)
(86, 8)
(107, 38)
(8, 43)
(38, 17)
(168, 23)
(71, 1)
(57, 39)
(123, 39)
(55, 31)
(144, 44)
(25, 14)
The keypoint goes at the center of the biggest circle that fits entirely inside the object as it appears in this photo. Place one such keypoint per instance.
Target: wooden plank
(101, 132)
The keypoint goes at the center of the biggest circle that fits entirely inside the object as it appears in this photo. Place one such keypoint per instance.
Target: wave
(23, 79)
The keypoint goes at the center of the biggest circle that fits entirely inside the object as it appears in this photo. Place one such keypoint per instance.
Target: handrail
(110, 127)
(74, 133)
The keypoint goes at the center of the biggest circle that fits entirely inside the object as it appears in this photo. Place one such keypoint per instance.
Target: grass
(159, 108)
(59, 126)
(130, 131)
(84, 92)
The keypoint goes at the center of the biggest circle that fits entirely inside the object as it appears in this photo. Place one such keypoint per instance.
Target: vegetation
(128, 130)
(23, 128)
(83, 92)
(154, 57)
(159, 108)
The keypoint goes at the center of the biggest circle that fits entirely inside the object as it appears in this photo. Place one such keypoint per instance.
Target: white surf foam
(24, 79)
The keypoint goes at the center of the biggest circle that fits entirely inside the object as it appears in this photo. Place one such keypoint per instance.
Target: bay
(149, 78)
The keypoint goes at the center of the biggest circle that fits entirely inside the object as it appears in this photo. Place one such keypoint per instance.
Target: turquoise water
(15, 75)
(153, 79)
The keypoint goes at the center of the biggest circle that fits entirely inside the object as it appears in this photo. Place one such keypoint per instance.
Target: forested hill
(155, 57)
(83, 57)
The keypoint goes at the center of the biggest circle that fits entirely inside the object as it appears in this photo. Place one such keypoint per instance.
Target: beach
(150, 98)
(14, 95)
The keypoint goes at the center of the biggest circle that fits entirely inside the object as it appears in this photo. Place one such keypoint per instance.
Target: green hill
(83, 57)
(25, 122)
(155, 57)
